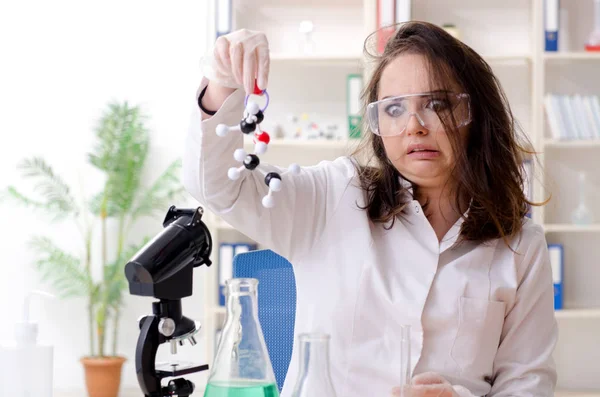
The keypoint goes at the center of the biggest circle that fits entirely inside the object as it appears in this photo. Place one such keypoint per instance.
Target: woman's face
(421, 155)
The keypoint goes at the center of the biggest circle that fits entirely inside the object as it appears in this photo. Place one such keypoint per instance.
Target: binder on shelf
(573, 117)
(556, 252)
(227, 251)
(551, 23)
(353, 93)
(223, 17)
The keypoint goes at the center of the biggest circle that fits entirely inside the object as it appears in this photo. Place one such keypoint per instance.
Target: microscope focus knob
(166, 326)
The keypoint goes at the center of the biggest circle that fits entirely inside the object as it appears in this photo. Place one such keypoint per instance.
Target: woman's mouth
(422, 151)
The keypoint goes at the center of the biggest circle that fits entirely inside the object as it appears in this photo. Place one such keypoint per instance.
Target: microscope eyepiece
(163, 268)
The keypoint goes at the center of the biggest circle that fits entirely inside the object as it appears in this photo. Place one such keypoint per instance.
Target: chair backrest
(276, 303)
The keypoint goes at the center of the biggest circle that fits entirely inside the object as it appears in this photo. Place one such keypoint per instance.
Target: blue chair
(276, 303)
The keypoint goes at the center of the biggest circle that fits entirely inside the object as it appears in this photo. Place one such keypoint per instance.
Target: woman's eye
(394, 110)
(438, 105)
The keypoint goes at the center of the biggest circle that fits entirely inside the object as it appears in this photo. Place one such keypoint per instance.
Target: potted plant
(120, 154)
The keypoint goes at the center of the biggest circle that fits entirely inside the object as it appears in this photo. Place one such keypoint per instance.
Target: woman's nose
(415, 125)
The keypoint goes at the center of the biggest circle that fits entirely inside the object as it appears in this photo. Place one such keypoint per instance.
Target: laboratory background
(96, 99)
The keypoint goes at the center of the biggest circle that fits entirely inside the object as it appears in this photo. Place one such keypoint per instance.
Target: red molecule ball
(257, 91)
(263, 137)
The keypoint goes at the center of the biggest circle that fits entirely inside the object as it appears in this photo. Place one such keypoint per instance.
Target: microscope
(163, 269)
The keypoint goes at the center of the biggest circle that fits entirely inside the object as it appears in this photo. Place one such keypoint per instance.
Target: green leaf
(61, 269)
(56, 198)
(159, 196)
(122, 149)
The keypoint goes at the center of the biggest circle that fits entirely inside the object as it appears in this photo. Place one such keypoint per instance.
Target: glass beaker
(242, 367)
(314, 377)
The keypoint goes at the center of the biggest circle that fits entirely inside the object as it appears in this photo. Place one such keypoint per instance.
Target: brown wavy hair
(489, 169)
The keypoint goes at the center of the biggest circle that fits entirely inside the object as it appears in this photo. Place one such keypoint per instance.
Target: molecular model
(250, 123)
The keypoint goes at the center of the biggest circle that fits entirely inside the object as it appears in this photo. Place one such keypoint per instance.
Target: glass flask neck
(314, 377)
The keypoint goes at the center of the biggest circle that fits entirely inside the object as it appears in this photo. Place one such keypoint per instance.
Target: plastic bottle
(27, 367)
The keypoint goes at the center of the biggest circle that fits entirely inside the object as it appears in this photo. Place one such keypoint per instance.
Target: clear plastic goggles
(390, 116)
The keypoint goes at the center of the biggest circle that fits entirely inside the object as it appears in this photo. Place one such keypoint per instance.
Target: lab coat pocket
(478, 335)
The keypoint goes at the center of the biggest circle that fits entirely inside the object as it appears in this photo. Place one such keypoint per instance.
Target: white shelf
(578, 313)
(566, 228)
(343, 59)
(574, 144)
(582, 55)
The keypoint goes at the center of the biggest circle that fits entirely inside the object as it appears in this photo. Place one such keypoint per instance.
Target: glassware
(582, 215)
(405, 364)
(242, 367)
(314, 377)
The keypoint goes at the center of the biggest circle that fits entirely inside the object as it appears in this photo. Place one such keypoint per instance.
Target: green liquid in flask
(241, 389)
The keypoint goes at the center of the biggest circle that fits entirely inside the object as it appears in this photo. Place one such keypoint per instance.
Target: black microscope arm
(145, 356)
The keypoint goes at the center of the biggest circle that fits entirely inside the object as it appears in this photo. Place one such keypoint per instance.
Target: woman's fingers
(250, 67)
(236, 54)
(221, 53)
(264, 64)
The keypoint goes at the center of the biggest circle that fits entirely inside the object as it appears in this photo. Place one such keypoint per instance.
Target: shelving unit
(315, 83)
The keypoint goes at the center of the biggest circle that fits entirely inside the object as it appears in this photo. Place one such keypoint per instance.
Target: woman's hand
(428, 384)
(239, 59)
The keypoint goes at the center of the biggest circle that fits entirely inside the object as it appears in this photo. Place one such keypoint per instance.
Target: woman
(433, 234)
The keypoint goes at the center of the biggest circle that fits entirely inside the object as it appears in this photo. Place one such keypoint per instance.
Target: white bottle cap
(26, 332)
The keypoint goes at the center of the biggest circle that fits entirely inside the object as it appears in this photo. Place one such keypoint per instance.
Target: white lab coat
(482, 316)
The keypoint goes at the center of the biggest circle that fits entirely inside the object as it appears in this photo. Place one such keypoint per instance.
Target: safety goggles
(390, 116)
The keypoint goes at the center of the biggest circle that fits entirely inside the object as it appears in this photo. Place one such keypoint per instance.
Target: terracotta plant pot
(103, 375)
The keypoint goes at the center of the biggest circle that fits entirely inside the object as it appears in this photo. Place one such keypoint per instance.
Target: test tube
(405, 366)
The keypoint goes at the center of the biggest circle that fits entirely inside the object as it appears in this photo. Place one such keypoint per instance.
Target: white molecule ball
(239, 155)
(222, 130)
(268, 202)
(294, 168)
(233, 173)
(252, 107)
(275, 184)
(260, 148)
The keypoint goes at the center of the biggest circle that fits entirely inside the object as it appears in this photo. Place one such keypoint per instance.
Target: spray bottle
(593, 41)
(27, 367)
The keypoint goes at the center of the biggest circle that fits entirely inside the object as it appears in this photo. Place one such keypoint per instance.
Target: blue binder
(551, 24)
(556, 252)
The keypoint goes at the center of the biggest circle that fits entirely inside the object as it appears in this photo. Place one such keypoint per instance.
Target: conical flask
(314, 377)
(242, 367)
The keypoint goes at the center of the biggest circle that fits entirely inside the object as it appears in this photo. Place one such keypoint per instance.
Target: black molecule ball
(271, 175)
(247, 128)
(251, 162)
(259, 117)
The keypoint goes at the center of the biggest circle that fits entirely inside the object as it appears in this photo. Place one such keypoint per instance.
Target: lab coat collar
(452, 235)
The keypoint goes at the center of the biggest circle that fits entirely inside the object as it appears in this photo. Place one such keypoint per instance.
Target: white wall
(62, 61)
